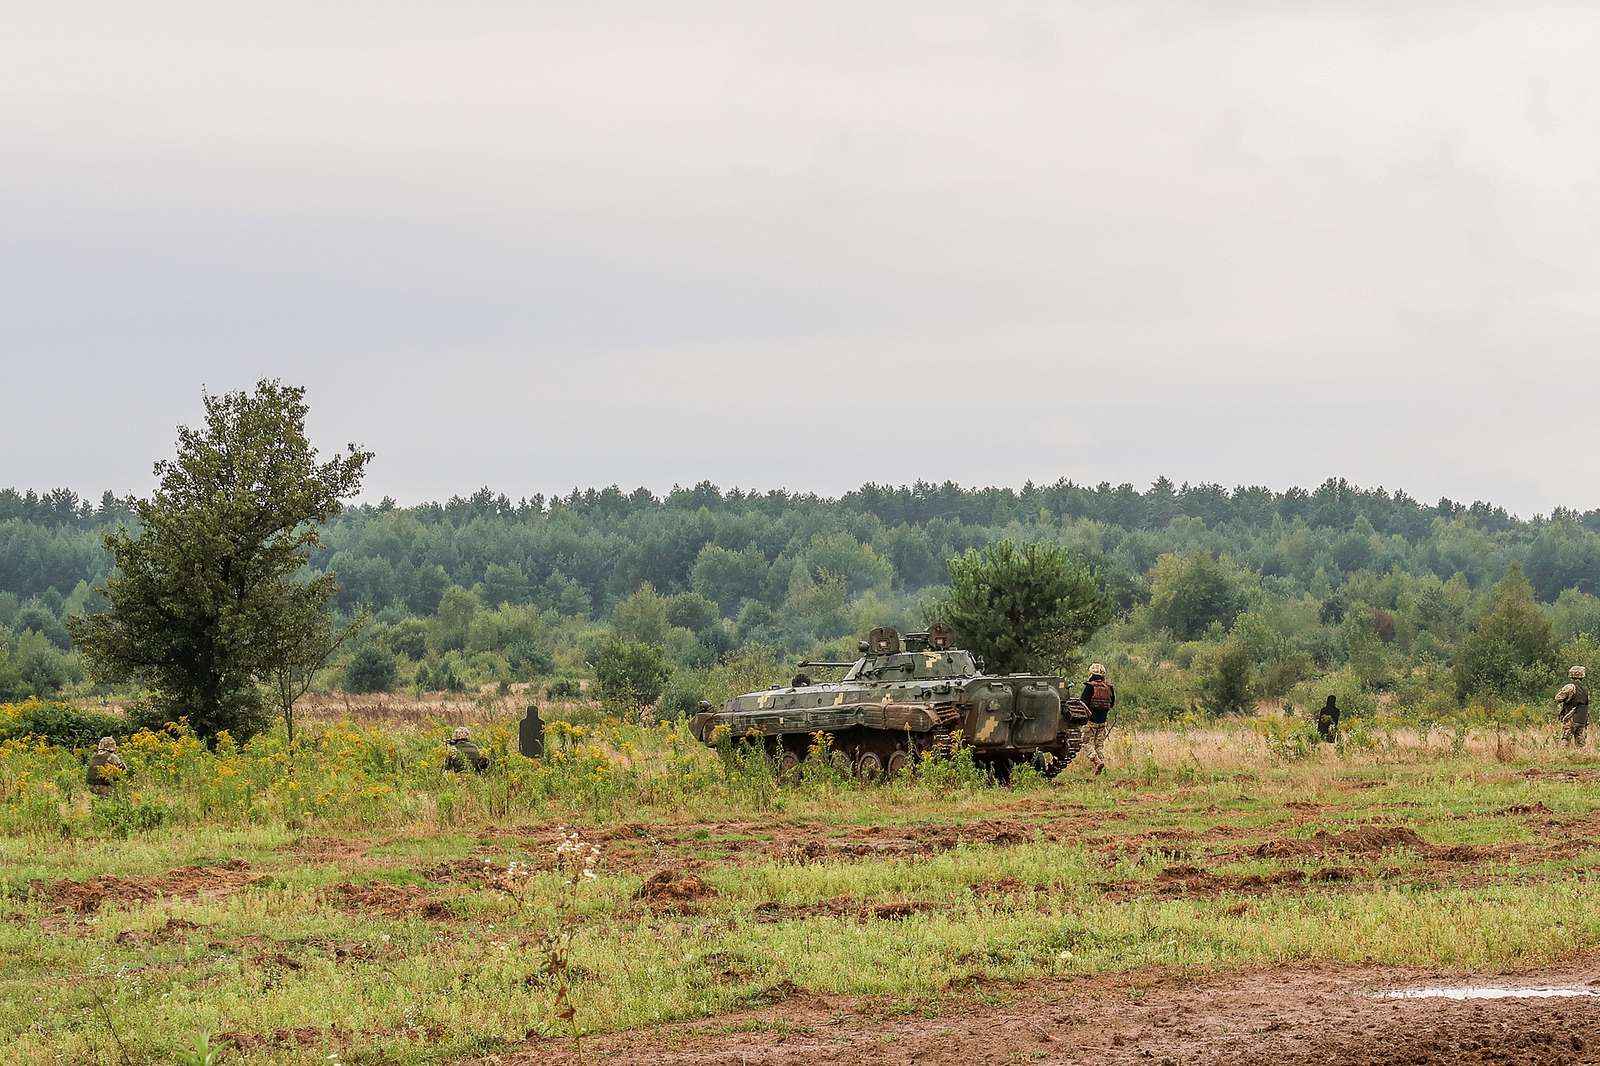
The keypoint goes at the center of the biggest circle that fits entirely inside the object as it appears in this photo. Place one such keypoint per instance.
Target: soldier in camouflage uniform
(105, 766)
(1101, 697)
(1572, 705)
(464, 754)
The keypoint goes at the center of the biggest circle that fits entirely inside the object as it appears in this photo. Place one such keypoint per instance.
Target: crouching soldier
(1572, 705)
(464, 754)
(105, 766)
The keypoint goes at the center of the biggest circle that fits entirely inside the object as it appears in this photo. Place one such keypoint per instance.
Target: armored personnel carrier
(901, 698)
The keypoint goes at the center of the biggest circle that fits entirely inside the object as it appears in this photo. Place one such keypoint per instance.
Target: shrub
(681, 697)
(631, 674)
(1225, 678)
(527, 660)
(61, 724)
(371, 669)
(564, 688)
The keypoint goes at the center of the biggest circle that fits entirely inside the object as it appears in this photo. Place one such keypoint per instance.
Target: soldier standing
(464, 754)
(1572, 706)
(1101, 697)
(105, 766)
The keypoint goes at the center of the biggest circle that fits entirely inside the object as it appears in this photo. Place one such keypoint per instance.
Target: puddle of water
(1489, 992)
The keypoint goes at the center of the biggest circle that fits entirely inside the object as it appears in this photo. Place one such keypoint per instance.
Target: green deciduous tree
(1225, 678)
(630, 674)
(372, 669)
(210, 585)
(1191, 591)
(1510, 636)
(1023, 607)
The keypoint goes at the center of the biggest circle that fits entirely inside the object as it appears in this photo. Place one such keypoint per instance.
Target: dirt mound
(671, 890)
(464, 871)
(841, 907)
(1526, 808)
(1363, 840)
(1190, 882)
(395, 901)
(89, 895)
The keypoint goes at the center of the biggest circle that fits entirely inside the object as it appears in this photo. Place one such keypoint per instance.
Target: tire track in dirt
(1284, 1016)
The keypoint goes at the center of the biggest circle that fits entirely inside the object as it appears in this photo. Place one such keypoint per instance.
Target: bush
(1225, 678)
(527, 660)
(631, 674)
(43, 673)
(564, 688)
(371, 669)
(409, 637)
(61, 724)
(681, 697)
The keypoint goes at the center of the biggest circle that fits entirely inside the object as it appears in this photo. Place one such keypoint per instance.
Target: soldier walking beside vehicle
(464, 754)
(1100, 696)
(1572, 706)
(105, 766)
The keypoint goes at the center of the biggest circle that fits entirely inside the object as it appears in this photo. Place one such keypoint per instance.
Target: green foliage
(453, 620)
(1191, 592)
(371, 669)
(62, 723)
(630, 674)
(409, 637)
(528, 660)
(641, 617)
(1509, 637)
(203, 1053)
(1288, 739)
(208, 590)
(1027, 607)
(1225, 678)
(563, 688)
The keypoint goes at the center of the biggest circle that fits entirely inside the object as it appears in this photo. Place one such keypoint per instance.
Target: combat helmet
(460, 732)
(1577, 673)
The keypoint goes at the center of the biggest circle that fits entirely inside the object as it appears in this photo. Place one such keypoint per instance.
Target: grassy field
(354, 903)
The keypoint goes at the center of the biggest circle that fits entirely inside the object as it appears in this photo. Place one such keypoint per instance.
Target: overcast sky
(811, 244)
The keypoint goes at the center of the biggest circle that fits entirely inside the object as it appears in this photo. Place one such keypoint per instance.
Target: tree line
(1212, 597)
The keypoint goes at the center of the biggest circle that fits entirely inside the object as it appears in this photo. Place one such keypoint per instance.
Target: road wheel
(869, 767)
(788, 765)
(899, 760)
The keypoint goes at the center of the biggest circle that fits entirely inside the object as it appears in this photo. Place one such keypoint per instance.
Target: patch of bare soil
(1283, 1016)
(669, 892)
(303, 1038)
(395, 901)
(1191, 882)
(185, 882)
(1363, 840)
(171, 929)
(332, 851)
(895, 841)
(841, 907)
(475, 872)
(640, 848)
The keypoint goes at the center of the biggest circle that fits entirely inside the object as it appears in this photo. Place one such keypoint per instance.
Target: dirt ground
(1280, 1016)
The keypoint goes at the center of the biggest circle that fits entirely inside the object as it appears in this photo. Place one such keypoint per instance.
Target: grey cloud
(811, 244)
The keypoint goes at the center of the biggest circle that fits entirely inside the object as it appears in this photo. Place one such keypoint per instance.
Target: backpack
(1099, 694)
